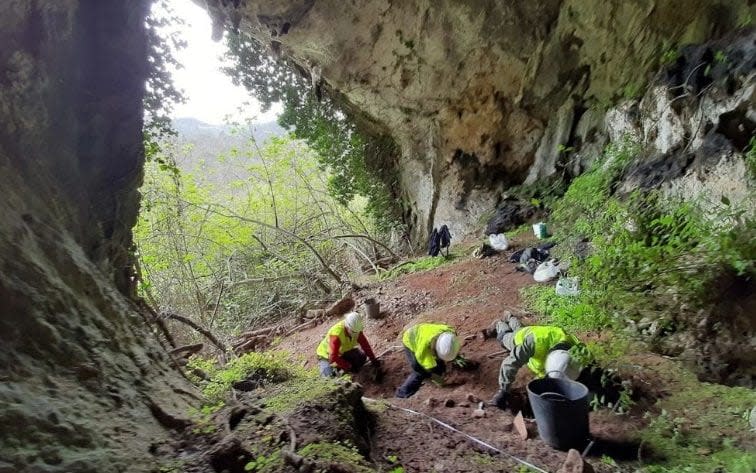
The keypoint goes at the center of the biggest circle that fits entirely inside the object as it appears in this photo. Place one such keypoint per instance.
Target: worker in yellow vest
(544, 348)
(427, 346)
(339, 347)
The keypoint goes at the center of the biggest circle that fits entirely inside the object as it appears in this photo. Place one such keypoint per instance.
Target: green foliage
(670, 55)
(161, 94)
(265, 463)
(649, 254)
(701, 429)
(573, 313)
(341, 453)
(250, 248)
(260, 368)
(750, 158)
(720, 57)
(423, 264)
(359, 164)
(633, 90)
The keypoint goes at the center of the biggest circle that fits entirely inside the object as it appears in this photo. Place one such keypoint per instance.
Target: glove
(500, 399)
(437, 379)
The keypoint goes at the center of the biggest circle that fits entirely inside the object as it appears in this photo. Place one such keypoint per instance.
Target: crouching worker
(427, 347)
(339, 347)
(545, 349)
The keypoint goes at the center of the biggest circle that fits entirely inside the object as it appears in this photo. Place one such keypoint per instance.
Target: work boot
(500, 399)
(490, 331)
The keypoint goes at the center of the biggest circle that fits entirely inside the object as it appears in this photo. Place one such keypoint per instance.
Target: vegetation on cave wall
(359, 164)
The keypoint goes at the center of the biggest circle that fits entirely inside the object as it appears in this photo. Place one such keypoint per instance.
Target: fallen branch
(497, 353)
(187, 350)
(192, 324)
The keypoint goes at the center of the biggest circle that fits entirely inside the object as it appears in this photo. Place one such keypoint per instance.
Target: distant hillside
(201, 147)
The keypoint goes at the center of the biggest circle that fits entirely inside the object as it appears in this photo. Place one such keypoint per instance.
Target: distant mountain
(201, 147)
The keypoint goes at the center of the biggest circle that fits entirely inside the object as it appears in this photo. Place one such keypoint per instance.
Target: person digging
(544, 348)
(427, 347)
(339, 350)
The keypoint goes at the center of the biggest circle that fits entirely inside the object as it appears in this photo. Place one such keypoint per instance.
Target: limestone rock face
(79, 379)
(479, 95)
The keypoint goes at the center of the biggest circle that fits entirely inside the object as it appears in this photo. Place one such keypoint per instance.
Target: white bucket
(540, 231)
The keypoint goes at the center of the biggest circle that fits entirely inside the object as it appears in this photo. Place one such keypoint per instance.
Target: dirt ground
(468, 294)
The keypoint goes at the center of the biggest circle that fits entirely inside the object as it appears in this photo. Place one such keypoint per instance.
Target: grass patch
(287, 396)
(342, 454)
(702, 427)
(423, 264)
(579, 313)
(259, 368)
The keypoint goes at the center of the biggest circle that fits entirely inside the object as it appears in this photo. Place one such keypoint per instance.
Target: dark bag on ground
(433, 243)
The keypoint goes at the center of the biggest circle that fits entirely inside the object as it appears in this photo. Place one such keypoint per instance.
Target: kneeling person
(544, 348)
(427, 346)
(339, 347)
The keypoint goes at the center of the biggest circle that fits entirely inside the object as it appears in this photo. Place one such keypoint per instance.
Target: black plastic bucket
(560, 407)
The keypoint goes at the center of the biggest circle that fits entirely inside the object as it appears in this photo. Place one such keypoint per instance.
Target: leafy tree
(161, 93)
(359, 164)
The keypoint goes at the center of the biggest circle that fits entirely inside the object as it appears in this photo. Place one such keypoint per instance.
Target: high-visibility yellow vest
(545, 337)
(419, 339)
(348, 341)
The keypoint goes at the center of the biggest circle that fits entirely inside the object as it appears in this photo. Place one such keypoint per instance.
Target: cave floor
(469, 294)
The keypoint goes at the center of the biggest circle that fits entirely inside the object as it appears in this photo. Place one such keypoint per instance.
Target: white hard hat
(353, 321)
(559, 363)
(447, 346)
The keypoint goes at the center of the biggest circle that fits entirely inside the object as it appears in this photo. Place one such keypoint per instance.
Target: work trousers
(355, 357)
(415, 379)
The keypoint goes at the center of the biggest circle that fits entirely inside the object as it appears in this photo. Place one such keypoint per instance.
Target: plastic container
(560, 407)
(567, 287)
(540, 230)
(372, 309)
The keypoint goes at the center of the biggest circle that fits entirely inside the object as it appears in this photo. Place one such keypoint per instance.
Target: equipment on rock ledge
(567, 287)
(498, 241)
(540, 230)
(561, 408)
(447, 346)
(546, 271)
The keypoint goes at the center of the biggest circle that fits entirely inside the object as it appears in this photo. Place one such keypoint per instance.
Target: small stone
(478, 413)
(703, 451)
(464, 404)
(520, 427)
(431, 402)
(449, 403)
(575, 464)
(473, 398)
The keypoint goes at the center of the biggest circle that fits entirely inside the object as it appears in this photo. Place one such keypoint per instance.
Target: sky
(209, 92)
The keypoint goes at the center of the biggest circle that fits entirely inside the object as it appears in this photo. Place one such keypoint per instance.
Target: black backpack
(433, 243)
(444, 236)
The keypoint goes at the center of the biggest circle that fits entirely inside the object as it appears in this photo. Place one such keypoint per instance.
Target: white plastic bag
(498, 241)
(546, 271)
(567, 287)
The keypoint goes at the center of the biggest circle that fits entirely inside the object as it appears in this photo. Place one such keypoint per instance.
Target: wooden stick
(497, 353)
(191, 323)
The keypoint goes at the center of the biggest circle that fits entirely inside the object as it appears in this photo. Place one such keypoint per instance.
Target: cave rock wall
(80, 379)
(479, 95)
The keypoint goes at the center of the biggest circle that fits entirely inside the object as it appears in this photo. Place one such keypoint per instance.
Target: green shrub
(573, 313)
(261, 368)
